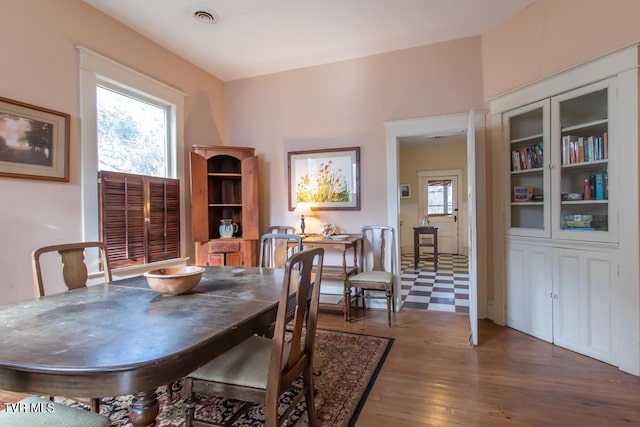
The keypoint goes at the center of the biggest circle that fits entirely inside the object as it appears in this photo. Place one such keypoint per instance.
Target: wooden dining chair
(74, 268)
(281, 229)
(75, 273)
(38, 412)
(377, 268)
(260, 369)
(276, 248)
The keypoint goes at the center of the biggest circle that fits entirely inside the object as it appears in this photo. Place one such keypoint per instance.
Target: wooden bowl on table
(174, 280)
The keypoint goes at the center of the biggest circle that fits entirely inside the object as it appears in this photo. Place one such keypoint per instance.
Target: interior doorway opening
(472, 125)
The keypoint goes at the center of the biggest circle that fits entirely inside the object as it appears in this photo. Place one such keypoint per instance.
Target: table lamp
(302, 209)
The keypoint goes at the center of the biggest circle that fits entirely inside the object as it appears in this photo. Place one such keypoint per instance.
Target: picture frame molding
(59, 150)
(341, 154)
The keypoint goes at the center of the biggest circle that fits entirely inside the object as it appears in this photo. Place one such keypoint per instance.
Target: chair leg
(393, 301)
(347, 304)
(189, 402)
(95, 405)
(389, 306)
(309, 396)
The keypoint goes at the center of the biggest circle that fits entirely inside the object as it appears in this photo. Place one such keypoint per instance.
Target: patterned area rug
(346, 366)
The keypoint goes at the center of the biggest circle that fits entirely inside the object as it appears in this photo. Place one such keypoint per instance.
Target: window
(136, 123)
(132, 133)
(440, 199)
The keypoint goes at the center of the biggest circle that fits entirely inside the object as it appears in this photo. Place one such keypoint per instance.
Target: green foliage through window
(132, 134)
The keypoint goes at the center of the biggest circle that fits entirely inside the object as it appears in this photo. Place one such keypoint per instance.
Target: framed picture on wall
(34, 142)
(326, 179)
(405, 191)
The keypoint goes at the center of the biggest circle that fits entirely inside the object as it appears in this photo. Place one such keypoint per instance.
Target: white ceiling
(256, 37)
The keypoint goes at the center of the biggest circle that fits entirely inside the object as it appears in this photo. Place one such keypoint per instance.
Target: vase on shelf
(227, 227)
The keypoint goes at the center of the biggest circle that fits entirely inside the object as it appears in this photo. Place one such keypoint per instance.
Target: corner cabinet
(224, 186)
(568, 261)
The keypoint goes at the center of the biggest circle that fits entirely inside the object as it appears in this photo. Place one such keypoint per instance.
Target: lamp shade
(303, 208)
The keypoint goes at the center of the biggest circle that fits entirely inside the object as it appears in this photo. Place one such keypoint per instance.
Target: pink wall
(40, 66)
(552, 35)
(336, 105)
(346, 104)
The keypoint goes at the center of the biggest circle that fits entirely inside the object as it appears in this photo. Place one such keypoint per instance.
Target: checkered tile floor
(444, 290)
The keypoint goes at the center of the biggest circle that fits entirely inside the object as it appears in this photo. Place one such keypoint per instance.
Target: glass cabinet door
(581, 173)
(527, 134)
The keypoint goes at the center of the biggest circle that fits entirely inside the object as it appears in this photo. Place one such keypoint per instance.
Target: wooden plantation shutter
(164, 219)
(139, 218)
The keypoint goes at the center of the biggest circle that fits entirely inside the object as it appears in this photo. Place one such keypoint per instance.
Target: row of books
(578, 149)
(584, 222)
(530, 157)
(596, 187)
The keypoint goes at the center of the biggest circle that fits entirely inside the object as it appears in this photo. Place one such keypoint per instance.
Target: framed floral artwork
(327, 179)
(34, 142)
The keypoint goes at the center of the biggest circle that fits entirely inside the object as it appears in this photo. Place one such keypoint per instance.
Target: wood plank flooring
(433, 378)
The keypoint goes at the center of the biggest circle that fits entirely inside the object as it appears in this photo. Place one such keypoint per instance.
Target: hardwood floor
(433, 378)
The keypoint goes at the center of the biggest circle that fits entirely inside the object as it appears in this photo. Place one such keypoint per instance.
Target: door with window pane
(439, 200)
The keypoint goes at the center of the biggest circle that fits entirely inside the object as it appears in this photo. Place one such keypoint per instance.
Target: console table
(342, 243)
(418, 243)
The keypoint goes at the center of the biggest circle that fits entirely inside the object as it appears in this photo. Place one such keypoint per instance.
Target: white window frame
(96, 69)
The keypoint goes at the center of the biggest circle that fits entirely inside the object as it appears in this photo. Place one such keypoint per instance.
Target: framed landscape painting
(326, 179)
(34, 142)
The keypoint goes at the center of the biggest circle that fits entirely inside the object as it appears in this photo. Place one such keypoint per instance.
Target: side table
(418, 243)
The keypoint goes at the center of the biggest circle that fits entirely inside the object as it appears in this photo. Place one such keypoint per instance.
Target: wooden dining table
(123, 338)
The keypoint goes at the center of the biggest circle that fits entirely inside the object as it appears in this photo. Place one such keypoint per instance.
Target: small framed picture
(405, 191)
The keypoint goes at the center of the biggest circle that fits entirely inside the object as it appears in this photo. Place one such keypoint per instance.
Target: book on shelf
(599, 186)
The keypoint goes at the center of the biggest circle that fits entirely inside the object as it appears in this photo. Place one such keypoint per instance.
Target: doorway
(440, 126)
(439, 200)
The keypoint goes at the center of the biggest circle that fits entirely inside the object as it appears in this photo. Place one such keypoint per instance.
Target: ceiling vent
(205, 15)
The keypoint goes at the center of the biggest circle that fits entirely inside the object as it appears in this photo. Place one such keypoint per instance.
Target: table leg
(347, 290)
(435, 250)
(144, 409)
(416, 248)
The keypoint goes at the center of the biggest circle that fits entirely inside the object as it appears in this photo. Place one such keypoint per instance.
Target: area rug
(346, 366)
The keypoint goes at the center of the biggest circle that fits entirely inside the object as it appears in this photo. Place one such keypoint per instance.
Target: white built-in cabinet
(560, 166)
(570, 202)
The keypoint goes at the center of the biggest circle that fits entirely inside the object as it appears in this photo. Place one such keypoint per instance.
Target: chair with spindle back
(378, 263)
(276, 248)
(260, 369)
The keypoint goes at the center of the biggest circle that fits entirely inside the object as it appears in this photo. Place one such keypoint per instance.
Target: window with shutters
(136, 123)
